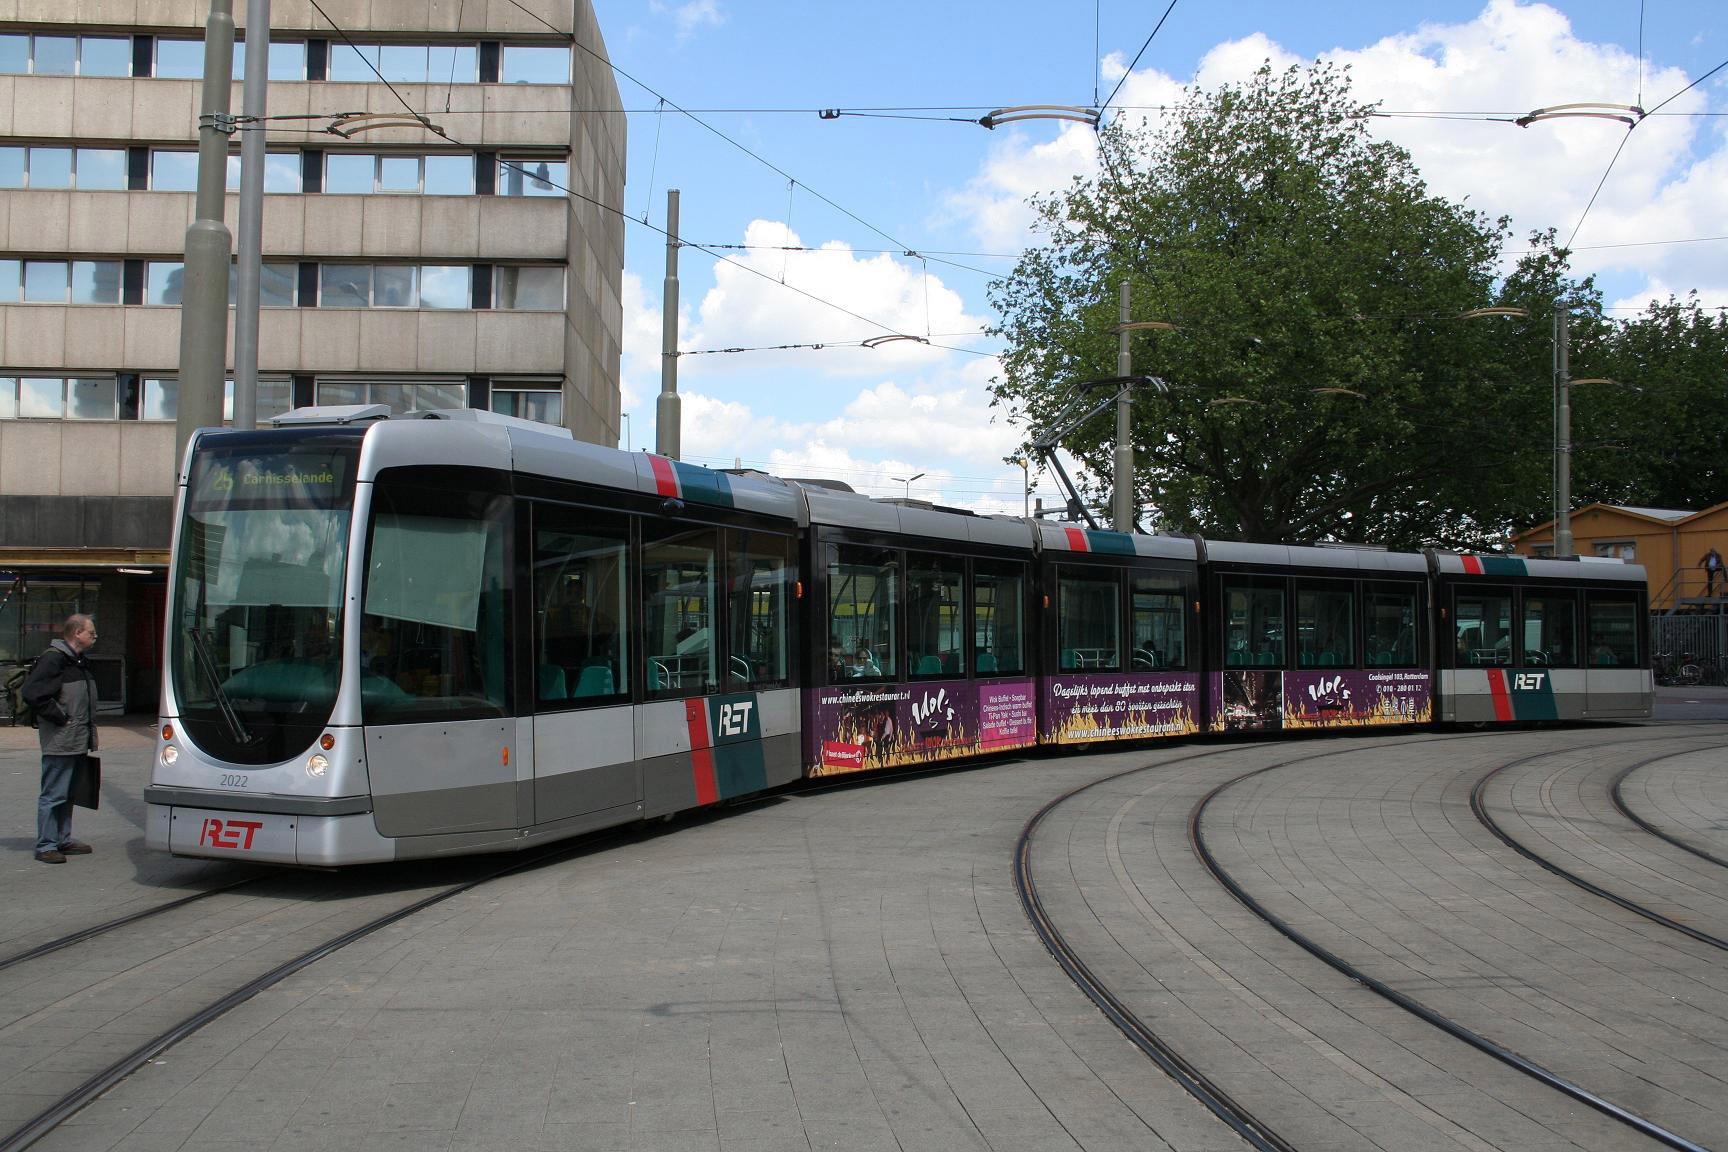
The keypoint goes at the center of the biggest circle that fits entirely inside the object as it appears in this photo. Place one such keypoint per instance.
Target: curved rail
(1534, 857)
(1197, 838)
(1620, 806)
(1222, 1105)
(69, 1105)
(119, 922)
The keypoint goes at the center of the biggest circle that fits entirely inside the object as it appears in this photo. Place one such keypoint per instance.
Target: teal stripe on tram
(1503, 566)
(703, 485)
(1110, 543)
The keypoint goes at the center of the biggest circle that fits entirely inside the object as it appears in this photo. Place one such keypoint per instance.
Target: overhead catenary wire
(1129, 71)
(618, 211)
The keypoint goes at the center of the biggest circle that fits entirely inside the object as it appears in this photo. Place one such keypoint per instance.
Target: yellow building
(1670, 543)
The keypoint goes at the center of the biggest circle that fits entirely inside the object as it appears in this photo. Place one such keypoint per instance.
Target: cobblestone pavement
(851, 968)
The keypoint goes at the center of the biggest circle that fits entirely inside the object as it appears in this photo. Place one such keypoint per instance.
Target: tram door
(434, 658)
(584, 727)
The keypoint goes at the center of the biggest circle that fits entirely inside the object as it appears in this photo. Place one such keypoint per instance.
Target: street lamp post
(907, 480)
(624, 417)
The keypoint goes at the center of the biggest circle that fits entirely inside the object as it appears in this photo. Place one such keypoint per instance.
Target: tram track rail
(1617, 797)
(107, 926)
(72, 1102)
(1480, 809)
(92, 1088)
(1593, 1100)
(1233, 1113)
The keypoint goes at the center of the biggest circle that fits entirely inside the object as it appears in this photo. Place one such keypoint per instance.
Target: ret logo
(1528, 681)
(735, 718)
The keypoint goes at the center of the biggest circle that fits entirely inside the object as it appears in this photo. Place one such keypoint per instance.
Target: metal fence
(1679, 640)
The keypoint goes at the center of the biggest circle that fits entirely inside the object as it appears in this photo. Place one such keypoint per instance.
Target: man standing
(62, 692)
(1712, 570)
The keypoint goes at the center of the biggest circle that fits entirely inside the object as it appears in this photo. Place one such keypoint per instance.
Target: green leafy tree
(1658, 435)
(1320, 381)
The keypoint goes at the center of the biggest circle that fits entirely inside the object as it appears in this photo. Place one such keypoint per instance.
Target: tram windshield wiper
(201, 649)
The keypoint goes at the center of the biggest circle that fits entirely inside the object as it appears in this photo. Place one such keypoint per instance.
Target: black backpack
(17, 707)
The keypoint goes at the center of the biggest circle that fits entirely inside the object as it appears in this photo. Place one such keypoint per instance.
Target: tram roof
(852, 510)
(1576, 568)
(1074, 538)
(486, 440)
(1305, 556)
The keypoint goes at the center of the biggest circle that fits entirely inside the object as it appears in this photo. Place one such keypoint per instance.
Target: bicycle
(1684, 673)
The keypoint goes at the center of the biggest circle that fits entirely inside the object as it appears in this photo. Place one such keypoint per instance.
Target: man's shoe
(52, 856)
(76, 848)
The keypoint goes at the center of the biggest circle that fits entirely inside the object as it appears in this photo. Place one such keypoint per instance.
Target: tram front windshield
(255, 644)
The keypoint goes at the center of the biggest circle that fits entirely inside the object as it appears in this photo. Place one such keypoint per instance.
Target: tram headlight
(169, 755)
(316, 765)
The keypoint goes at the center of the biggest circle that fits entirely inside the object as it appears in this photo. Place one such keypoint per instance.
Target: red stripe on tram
(1472, 565)
(1077, 539)
(1502, 698)
(701, 751)
(665, 477)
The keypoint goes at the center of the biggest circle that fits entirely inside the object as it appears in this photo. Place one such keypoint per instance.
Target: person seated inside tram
(863, 664)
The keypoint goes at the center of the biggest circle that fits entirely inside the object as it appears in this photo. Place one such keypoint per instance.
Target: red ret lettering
(227, 833)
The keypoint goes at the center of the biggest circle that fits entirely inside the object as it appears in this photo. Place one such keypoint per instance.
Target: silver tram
(458, 632)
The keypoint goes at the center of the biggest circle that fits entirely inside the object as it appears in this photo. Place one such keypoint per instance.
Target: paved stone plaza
(851, 968)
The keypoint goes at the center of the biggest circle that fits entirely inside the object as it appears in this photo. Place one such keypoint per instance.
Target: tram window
(434, 637)
(1088, 621)
(679, 624)
(1325, 626)
(1390, 615)
(935, 616)
(863, 601)
(1253, 625)
(1159, 624)
(1551, 629)
(998, 615)
(581, 617)
(761, 582)
(1483, 619)
(1613, 631)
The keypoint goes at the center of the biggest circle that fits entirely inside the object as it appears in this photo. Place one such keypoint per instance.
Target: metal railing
(1681, 643)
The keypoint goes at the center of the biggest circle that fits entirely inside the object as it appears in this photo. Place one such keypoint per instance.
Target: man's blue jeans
(54, 805)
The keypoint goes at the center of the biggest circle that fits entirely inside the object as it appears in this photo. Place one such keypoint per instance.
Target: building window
(404, 63)
(541, 400)
(60, 281)
(394, 286)
(172, 170)
(528, 287)
(57, 398)
(44, 55)
(184, 59)
(162, 393)
(363, 173)
(531, 176)
(534, 64)
(86, 168)
(1623, 549)
(399, 395)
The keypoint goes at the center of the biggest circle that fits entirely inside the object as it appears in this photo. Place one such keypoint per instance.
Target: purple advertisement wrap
(1081, 707)
(1245, 700)
(860, 727)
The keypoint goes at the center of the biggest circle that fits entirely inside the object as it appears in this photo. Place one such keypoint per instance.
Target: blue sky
(762, 169)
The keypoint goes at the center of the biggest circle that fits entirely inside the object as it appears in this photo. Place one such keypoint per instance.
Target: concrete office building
(400, 266)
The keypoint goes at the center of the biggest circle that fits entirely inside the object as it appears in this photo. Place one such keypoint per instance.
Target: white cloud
(1511, 58)
(764, 297)
(886, 430)
(692, 17)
